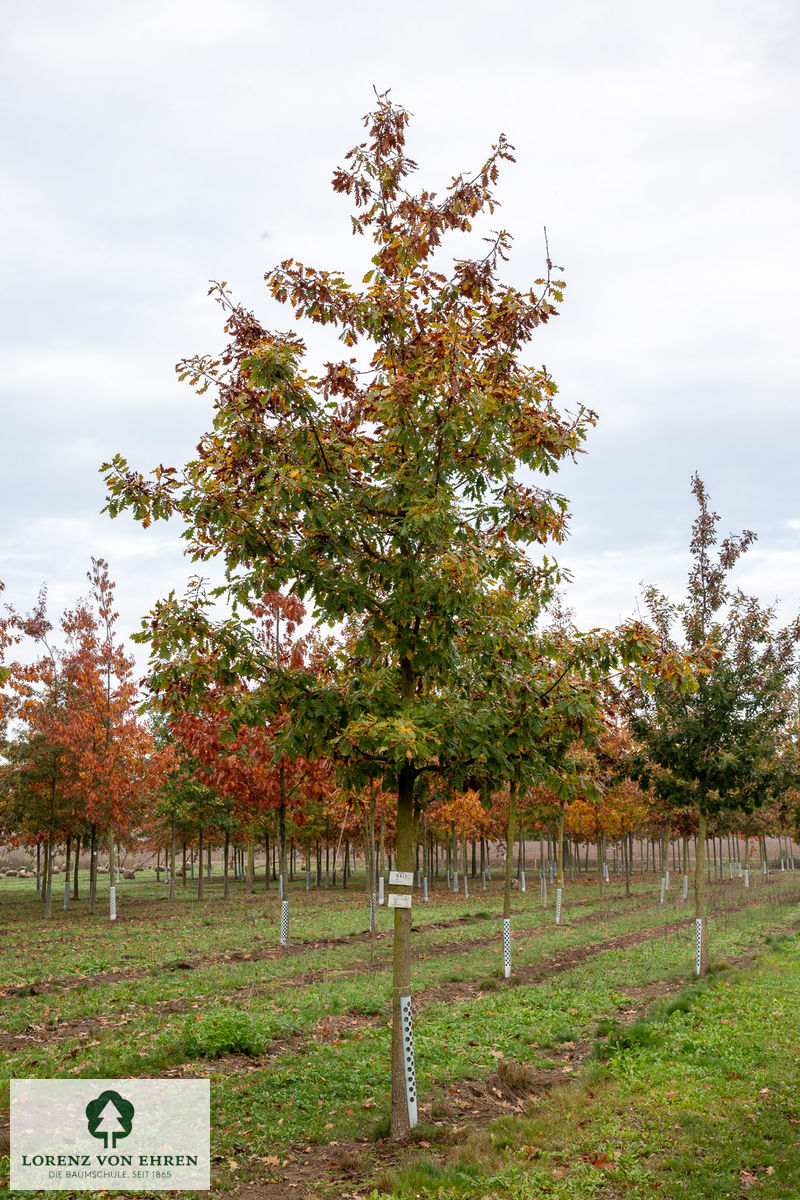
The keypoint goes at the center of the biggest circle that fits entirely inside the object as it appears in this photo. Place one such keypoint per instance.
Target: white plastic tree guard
(407, 1030)
(506, 947)
(558, 906)
(381, 885)
(112, 903)
(698, 938)
(284, 922)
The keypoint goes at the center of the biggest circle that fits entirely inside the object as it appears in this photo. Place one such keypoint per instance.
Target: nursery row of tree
(401, 493)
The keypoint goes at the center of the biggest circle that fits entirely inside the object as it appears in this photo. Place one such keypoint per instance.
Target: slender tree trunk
(282, 832)
(92, 869)
(401, 968)
(560, 850)
(77, 866)
(66, 871)
(512, 798)
(200, 864)
(600, 864)
(251, 866)
(225, 865)
(369, 867)
(700, 890)
(172, 862)
(48, 875)
(425, 857)
(266, 860)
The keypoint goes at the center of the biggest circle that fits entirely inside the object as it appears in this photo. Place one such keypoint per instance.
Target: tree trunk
(48, 876)
(77, 866)
(172, 862)
(92, 869)
(266, 860)
(200, 864)
(512, 796)
(425, 863)
(251, 866)
(282, 833)
(225, 865)
(66, 871)
(600, 864)
(403, 1101)
(700, 892)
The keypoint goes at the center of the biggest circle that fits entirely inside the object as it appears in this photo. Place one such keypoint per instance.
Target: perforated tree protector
(284, 922)
(408, 1058)
(507, 947)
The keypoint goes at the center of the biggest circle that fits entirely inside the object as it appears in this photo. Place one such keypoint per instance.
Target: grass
(297, 1044)
(699, 1100)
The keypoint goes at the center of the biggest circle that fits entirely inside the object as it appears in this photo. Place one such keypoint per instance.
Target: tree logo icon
(109, 1116)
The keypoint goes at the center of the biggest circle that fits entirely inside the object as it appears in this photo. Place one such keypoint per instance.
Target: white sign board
(401, 878)
(396, 901)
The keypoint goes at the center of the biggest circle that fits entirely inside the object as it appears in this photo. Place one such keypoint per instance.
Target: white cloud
(152, 145)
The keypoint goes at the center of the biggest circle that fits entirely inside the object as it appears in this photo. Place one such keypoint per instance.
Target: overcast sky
(151, 147)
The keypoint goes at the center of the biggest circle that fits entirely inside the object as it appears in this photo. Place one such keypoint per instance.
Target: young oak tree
(388, 493)
(719, 746)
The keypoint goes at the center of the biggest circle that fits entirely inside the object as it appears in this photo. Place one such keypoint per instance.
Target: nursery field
(601, 1068)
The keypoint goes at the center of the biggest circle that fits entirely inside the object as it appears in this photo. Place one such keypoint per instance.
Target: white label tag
(396, 901)
(401, 878)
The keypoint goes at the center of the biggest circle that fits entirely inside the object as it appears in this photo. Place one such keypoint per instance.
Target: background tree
(720, 744)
